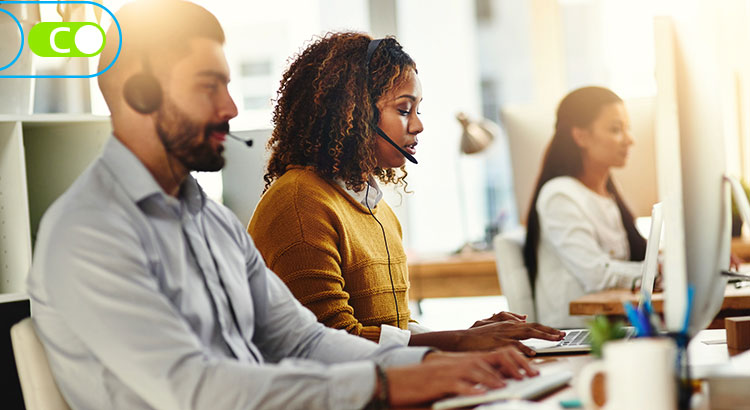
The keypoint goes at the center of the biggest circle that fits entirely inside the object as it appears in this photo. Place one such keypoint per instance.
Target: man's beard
(182, 138)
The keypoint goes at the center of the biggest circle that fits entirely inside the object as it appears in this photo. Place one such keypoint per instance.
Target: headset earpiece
(143, 93)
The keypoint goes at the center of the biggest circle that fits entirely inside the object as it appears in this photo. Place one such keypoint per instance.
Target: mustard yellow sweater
(330, 252)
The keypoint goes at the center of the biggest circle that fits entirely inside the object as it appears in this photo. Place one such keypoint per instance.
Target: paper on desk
(738, 365)
(519, 405)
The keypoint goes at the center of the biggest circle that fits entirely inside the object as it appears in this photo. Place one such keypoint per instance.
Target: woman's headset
(370, 51)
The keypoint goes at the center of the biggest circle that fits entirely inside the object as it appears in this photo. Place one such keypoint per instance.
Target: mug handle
(583, 383)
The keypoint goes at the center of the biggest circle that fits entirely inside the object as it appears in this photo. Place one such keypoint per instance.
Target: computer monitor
(692, 106)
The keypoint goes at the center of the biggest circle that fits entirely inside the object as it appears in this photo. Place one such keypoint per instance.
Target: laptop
(579, 340)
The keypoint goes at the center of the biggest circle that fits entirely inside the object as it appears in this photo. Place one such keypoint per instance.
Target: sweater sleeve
(565, 226)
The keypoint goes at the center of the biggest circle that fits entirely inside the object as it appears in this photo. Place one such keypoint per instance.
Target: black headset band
(371, 50)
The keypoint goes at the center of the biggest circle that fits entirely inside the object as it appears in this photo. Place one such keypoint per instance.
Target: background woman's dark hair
(563, 158)
(325, 110)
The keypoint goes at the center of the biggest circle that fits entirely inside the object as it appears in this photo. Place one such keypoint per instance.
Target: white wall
(441, 37)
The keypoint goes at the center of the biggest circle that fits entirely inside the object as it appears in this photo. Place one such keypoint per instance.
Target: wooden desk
(609, 302)
(475, 274)
(467, 274)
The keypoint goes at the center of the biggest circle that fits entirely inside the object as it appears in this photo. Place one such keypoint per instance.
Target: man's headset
(370, 51)
(143, 93)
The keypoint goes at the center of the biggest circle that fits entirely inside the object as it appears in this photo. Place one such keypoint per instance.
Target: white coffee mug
(640, 374)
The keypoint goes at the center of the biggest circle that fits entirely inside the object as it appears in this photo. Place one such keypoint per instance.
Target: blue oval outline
(23, 39)
(117, 23)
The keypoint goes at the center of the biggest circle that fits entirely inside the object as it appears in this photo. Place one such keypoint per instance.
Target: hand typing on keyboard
(486, 335)
(448, 374)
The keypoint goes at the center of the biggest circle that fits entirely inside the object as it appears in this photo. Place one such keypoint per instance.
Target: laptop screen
(651, 261)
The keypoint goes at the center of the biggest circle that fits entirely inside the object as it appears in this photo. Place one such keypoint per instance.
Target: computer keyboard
(515, 389)
(576, 338)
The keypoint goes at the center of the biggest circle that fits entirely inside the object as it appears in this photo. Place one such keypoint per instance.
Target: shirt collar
(138, 182)
(375, 193)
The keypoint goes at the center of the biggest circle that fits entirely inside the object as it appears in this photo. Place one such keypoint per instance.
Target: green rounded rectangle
(54, 39)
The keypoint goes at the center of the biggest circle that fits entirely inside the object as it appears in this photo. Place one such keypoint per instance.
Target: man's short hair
(152, 28)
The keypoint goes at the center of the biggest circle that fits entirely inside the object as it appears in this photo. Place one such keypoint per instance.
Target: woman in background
(322, 225)
(581, 237)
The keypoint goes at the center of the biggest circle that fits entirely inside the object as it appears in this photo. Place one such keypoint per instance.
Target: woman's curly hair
(325, 113)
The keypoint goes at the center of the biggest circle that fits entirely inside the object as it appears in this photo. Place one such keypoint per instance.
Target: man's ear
(580, 136)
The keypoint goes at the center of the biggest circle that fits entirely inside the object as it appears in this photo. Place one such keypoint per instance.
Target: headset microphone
(224, 127)
(247, 142)
(401, 150)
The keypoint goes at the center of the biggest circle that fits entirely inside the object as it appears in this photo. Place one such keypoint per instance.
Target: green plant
(604, 330)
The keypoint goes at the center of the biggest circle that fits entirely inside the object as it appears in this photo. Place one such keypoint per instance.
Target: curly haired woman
(322, 225)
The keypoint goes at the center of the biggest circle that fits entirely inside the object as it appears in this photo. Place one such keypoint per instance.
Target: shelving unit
(40, 156)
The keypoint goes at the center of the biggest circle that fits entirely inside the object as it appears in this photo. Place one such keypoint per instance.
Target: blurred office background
(508, 61)
(480, 57)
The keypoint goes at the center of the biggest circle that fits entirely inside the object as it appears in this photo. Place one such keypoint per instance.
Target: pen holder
(639, 374)
(683, 379)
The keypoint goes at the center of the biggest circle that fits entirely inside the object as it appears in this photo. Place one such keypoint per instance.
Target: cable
(387, 252)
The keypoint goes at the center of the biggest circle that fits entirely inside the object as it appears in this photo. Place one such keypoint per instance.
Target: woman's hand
(447, 374)
(735, 262)
(509, 332)
(500, 317)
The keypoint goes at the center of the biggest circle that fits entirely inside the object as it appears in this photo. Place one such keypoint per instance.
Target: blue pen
(654, 321)
(689, 309)
(648, 307)
(633, 318)
(645, 322)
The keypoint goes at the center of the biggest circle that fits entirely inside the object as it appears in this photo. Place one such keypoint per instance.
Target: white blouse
(583, 248)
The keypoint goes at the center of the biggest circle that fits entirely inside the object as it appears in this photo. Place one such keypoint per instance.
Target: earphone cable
(388, 254)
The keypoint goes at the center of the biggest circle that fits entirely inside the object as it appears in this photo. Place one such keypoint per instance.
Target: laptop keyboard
(576, 338)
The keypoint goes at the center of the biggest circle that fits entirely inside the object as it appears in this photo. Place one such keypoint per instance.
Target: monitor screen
(692, 130)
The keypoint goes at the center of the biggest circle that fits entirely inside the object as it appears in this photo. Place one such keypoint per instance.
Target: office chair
(511, 272)
(40, 391)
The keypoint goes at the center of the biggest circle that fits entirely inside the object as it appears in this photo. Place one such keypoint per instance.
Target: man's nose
(226, 109)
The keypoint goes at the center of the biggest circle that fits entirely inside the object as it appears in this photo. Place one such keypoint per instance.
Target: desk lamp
(475, 138)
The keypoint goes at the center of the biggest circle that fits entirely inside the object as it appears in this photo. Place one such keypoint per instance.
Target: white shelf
(15, 236)
(13, 297)
(53, 118)
(40, 156)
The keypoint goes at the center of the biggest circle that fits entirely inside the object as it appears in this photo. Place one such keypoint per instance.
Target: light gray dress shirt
(147, 301)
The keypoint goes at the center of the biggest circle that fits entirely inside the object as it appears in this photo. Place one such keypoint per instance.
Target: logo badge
(62, 39)
(66, 39)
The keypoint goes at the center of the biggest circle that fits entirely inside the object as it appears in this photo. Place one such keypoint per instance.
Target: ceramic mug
(639, 374)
